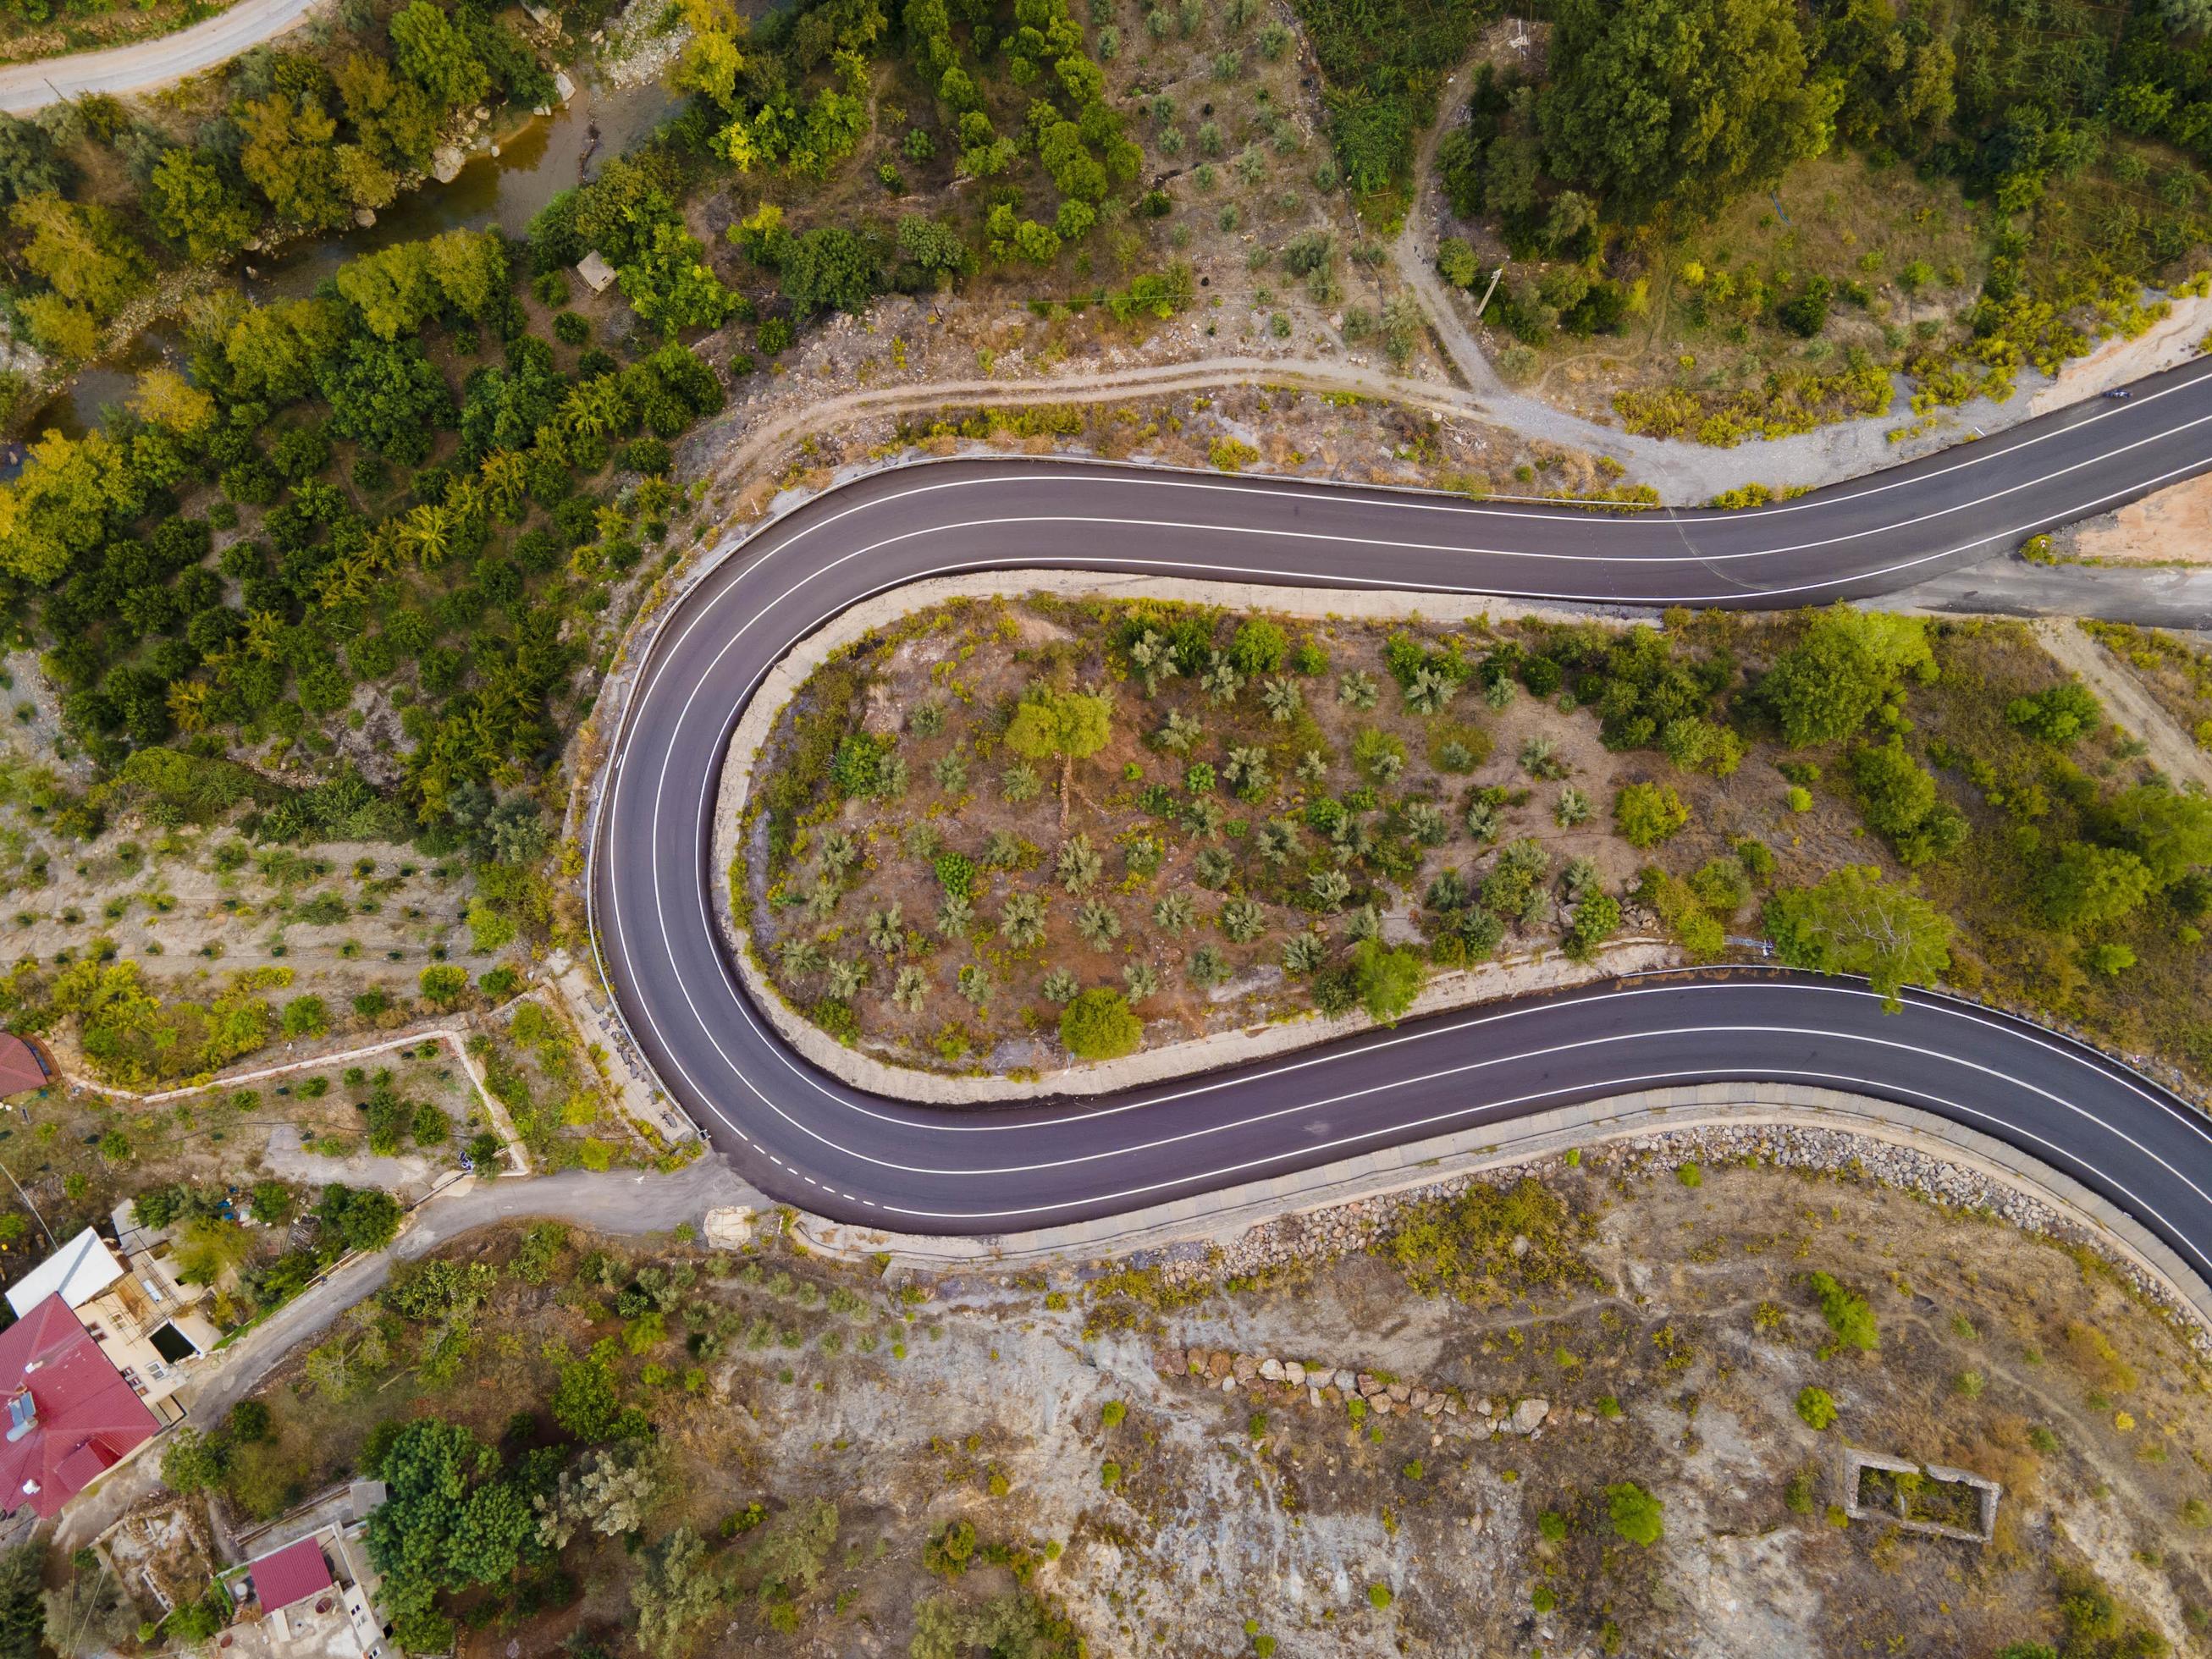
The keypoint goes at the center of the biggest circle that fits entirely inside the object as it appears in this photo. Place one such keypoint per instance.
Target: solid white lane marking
(655, 677)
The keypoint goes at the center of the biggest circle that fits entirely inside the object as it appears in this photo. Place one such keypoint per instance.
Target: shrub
(1260, 647)
(1847, 1313)
(443, 985)
(1817, 1406)
(1099, 1025)
(1648, 813)
(1897, 797)
(1455, 262)
(2059, 716)
(1635, 1513)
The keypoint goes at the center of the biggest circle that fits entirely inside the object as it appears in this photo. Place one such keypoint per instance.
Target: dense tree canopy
(1679, 103)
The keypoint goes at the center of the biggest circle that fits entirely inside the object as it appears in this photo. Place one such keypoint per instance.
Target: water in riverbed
(550, 154)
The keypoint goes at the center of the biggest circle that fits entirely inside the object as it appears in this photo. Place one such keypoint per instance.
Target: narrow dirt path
(1414, 253)
(1680, 473)
(2173, 751)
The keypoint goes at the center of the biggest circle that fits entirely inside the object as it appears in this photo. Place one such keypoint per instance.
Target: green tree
(443, 985)
(23, 1610)
(678, 1589)
(1854, 923)
(1259, 648)
(305, 1016)
(1070, 725)
(1099, 1025)
(1898, 797)
(2091, 886)
(434, 55)
(360, 1218)
(1824, 687)
(2170, 832)
(62, 503)
(2059, 717)
(1817, 1406)
(669, 282)
(1387, 980)
(188, 1463)
(287, 155)
(934, 245)
(194, 205)
(1648, 813)
(829, 268)
(1635, 1513)
(448, 1520)
(1679, 104)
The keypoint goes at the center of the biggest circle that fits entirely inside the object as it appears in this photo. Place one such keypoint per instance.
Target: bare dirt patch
(2172, 526)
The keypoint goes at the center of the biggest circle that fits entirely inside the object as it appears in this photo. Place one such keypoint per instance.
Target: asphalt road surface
(26, 89)
(805, 1137)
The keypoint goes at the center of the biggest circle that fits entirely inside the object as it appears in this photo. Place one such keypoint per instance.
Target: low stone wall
(1296, 1383)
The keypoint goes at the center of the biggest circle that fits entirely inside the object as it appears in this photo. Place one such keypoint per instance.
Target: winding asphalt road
(803, 1136)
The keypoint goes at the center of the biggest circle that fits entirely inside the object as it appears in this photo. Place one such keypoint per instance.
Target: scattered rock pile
(1293, 1381)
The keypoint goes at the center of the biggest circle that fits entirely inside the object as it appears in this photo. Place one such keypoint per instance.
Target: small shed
(597, 273)
(20, 1068)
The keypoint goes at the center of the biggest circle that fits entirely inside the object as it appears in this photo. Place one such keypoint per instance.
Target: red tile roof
(292, 1574)
(20, 1068)
(86, 1417)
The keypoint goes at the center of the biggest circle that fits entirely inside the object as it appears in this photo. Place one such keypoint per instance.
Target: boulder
(1272, 1369)
(1245, 1367)
(1530, 1413)
(1219, 1365)
(446, 163)
(730, 1228)
(1294, 1373)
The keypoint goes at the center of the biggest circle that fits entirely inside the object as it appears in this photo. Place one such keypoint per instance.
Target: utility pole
(26, 1197)
(1491, 289)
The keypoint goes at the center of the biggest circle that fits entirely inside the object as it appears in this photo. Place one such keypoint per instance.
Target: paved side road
(623, 1203)
(26, 89)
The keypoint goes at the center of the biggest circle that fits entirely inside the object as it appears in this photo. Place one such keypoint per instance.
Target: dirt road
(26, 89)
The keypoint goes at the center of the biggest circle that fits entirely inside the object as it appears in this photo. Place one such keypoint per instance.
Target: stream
(537, 160)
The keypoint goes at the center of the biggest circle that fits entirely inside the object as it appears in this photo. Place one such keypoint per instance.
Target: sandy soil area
(2173, 526)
